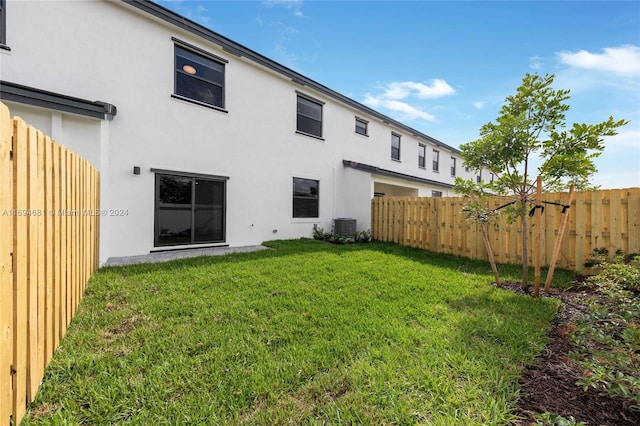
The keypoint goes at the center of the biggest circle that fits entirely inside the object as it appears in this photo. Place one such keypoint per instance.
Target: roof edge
(383, 172)
(237, 49)
(42, 98)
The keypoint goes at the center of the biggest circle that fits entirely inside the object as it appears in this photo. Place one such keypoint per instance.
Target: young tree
(531, 128)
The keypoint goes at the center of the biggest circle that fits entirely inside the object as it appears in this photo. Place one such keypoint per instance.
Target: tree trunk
(525, 243)
(492, 260)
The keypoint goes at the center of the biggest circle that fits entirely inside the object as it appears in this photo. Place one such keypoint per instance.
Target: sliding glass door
(189, 210)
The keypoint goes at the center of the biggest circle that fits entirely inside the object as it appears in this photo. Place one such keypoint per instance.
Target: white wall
(110, 52)
(356, 197)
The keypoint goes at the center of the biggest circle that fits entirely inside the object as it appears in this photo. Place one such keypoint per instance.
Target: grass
(308, 333)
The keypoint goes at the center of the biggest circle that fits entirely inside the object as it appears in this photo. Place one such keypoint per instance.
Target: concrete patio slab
(165, 256)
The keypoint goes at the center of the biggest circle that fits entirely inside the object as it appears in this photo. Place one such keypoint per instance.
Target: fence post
(633, 217)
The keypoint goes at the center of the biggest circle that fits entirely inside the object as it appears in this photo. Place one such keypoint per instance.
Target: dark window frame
(422, 155)
(453, 166)
(395, 150)
(436, 160)
(3, 25)
(301, 117)
(208, 61)
(158, 206)
(303, 199)
(364, 125)
(435, 193)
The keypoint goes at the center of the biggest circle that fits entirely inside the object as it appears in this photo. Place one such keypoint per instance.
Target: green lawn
(308, 333)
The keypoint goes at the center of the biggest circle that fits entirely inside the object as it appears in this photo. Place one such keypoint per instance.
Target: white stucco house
(201, 141)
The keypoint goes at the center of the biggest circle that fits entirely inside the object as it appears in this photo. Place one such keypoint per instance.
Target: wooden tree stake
(558, 243)
(536, 241)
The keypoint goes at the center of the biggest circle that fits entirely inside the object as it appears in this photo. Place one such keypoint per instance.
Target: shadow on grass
(282, 248)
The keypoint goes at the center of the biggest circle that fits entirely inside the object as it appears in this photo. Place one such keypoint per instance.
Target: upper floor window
(491, 177)
(479, 178)
(395, 147)
(362, 126)
(309, 117)
(436, 193)
(199, 77)
(453, 166)
(3, 21)
(436, 160)
(422, 152)
(466, 168)
(306, 197)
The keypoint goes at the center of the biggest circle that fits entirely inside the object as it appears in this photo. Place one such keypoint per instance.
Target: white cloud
(285, 33)
(296, 5)
(409, 112)
(196, 12)
(626, 141)
(479, 104)
(396, 91)
(535, 62)
(286, 3)
(618, 166)
(401, 90)
(623, 60)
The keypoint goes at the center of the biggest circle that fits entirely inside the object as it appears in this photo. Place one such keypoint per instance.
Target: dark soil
(549, 385)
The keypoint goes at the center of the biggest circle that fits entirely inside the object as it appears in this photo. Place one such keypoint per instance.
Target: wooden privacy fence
(49, 218)
(597, 219)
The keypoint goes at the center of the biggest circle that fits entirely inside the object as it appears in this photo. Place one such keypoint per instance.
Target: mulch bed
(549, 385)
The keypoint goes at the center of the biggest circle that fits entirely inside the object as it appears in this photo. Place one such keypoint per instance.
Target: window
(395, 147)
(306, 197)
(466, 168)
(436, 193)
(436, 160)
(189, 210)
(491, 177)
(361, 126)
(453, 166)
(422, 152)
(199, 77)
(479, 178)
(309, 117)
(3, 21)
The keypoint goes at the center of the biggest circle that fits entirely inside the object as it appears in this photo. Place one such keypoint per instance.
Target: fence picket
(6, 265)
(35, 205)
(41, 278)
(581, 229)
(20, 267)
(48, 229)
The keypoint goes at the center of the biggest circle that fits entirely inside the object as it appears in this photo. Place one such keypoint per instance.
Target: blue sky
(445, 68)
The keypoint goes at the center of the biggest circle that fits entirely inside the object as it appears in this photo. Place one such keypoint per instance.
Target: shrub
(548, 419)
(319, 234)
(363, 236)
(608, 335)
(359, 236)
